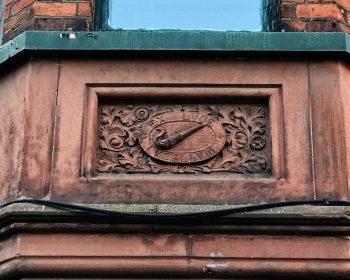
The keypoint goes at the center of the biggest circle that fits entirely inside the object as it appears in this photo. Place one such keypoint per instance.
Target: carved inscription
(183, 139)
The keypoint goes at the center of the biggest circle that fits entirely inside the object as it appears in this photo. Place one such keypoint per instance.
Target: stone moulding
(197, 139)
(122, 139)
(284, 243)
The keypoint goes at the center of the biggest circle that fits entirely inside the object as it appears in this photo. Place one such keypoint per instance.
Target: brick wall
(21, 15)
(315, 15)
(296, 15)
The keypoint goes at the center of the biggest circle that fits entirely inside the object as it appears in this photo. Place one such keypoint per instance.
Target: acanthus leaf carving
(245, 149)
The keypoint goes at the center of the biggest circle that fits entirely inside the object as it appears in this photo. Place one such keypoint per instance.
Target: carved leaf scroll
(246, 150)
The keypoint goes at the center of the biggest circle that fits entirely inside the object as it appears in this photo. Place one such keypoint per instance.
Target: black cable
(187, 215)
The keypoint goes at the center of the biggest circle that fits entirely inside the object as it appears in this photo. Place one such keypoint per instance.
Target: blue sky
(186, 14)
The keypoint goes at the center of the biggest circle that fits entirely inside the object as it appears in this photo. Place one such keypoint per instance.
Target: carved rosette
(183, 139)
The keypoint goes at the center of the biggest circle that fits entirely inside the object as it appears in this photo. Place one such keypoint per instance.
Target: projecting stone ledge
(286, 219)
(303, 211)
(304, 241)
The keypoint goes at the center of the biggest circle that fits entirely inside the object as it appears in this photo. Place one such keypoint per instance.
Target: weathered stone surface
(60, 129)
(195, 138)
(39, 240)
(179, 255)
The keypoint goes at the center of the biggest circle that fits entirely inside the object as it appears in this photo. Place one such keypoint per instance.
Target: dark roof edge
(278, 43)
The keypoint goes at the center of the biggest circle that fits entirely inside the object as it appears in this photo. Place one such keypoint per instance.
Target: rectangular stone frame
(272, 93)
(185, 91)
(289, 101)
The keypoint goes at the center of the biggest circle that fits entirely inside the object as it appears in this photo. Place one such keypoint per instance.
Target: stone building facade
(174, 155)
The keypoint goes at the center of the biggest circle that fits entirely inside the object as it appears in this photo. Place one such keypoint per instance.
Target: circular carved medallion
(182, 137)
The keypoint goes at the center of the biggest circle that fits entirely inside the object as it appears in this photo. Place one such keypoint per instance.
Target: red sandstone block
(20, 5)
(84, 9)
(54, 9)
(165, 245)
(268, 247)
(315, 11)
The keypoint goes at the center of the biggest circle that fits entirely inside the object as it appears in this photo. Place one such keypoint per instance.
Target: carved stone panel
(229, 138)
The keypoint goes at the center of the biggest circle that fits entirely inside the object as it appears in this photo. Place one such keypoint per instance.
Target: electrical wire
(185, 215)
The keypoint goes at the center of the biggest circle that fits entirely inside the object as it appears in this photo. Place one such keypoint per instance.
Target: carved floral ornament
(183, 139)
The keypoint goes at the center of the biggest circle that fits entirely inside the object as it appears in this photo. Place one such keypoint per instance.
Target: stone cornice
(296, 219)
(305, 241)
